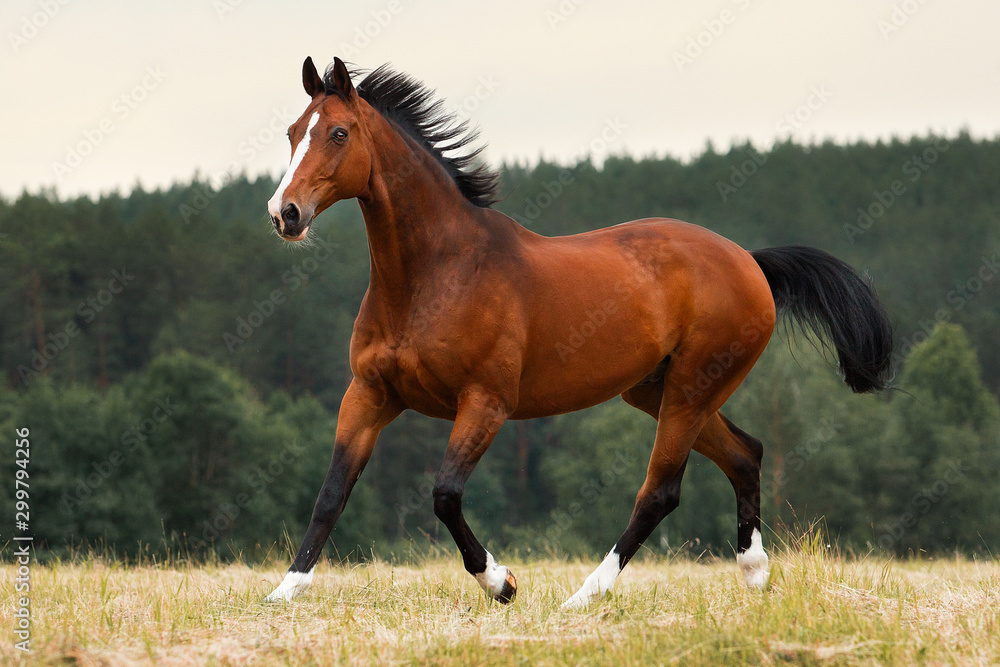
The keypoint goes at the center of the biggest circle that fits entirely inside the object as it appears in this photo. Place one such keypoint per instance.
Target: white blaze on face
(294, 583)
(753, 562)
(598, 583)
(274, 204)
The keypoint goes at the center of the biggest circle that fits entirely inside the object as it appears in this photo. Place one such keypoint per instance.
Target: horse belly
(578, 363)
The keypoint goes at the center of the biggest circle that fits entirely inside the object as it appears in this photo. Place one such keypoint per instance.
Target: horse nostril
(290, 214)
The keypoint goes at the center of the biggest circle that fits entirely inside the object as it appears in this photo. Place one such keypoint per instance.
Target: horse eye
(339, 135)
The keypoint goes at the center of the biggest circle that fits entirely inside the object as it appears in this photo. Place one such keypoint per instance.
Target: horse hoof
(509, 590)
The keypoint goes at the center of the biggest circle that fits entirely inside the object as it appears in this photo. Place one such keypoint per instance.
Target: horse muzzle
(292, 223)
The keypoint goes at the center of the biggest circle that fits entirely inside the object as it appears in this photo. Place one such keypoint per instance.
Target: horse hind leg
(659, 495)
(681, 418)
(738, 454)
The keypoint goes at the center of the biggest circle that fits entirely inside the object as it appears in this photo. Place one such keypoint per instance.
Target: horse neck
(415, 216)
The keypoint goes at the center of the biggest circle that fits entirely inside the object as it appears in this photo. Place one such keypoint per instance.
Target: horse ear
(311, 79)
(342, 78)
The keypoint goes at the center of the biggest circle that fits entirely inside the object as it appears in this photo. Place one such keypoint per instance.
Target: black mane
(413, 107)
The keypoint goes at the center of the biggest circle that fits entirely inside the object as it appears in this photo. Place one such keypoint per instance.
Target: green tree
(88, 485)
(949, 421)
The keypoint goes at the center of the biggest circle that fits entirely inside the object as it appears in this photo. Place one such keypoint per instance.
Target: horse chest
(422, 376)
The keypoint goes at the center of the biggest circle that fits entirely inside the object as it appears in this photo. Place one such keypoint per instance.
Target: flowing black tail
(829, 297)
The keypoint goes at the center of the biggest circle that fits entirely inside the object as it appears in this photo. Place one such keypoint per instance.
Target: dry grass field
(818, 609)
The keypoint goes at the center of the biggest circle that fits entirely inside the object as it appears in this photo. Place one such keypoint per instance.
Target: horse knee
(447, 501)
(659, 503)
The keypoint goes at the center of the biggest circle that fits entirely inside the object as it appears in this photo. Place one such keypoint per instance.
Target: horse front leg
(364, 412)
(479, 417)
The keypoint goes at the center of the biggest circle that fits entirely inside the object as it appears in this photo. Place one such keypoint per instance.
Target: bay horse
(471, 317)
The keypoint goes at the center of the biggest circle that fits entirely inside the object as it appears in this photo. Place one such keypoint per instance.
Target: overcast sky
(101, 94)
